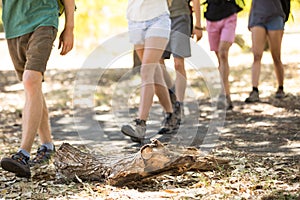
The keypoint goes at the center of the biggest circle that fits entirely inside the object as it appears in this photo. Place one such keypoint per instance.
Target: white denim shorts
(156, 27)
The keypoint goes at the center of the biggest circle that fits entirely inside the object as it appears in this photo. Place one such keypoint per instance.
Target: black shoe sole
(13, 166)
(167, 131)
(229, 107)
(247, 101)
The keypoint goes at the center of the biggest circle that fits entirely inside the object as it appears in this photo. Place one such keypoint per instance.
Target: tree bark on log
(151, 160)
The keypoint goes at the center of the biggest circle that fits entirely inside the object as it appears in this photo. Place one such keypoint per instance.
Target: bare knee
(179, 65)
(147, 74)
(32, 80)
(257, 57)
(223, 54)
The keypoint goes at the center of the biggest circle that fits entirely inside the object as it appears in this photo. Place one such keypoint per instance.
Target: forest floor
(261, 140)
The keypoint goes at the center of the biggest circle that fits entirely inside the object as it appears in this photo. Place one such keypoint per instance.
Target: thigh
(152, 53)
(275, 39)
(258, 39)
(139, 49)
(153, 49)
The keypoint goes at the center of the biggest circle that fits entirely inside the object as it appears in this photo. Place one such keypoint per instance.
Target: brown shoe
(43, 156)
(17, 164)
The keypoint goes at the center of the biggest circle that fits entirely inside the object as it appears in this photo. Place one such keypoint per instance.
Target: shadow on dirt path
(266, 134)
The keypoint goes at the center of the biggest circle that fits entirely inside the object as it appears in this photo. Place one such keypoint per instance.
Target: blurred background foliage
(96, 20)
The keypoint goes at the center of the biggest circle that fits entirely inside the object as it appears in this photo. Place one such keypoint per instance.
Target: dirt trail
(262, 139)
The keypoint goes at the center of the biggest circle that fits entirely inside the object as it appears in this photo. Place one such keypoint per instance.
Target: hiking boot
(253, 97)
(172, 96)
(43, 155)
(137, 133)
(224, 102)
(170, 124)
(279, 94)
(17, 164)
(178, 112)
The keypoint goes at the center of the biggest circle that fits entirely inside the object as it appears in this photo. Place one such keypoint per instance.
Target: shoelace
(40, 155)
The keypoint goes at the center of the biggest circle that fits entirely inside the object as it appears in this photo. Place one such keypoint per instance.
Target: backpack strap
(61, 7)
(286, 7)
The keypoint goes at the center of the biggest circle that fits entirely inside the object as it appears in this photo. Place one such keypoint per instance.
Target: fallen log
(151, 160)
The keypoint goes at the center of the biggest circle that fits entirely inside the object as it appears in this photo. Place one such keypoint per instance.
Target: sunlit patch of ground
(261, 139)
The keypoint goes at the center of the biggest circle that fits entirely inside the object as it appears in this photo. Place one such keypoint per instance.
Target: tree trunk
(151, 160)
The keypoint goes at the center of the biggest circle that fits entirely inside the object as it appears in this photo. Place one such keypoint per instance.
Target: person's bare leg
(151, 54)
(224, 66)
(161, 90)
(275, 39)
(166, 75)
(180, 82)
(147, 90)
(258, 45)
(33, 109)
(44, 129)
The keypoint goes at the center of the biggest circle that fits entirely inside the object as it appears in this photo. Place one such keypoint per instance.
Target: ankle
(49, 146)
(140, 122)
(24, 152)
(255, 89)
(178, 103)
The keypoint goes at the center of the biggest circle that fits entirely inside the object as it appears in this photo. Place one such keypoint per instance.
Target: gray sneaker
(224, 102)
(136, 133)
(279, 94)
(170, 124)
(253, 97)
